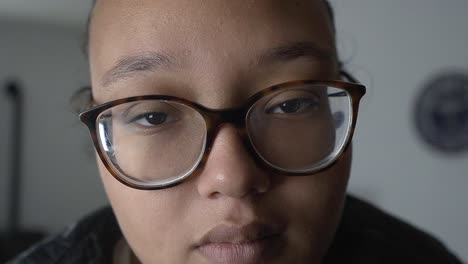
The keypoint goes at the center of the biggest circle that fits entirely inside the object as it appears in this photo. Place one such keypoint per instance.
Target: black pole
(15, 239)
(13, 90)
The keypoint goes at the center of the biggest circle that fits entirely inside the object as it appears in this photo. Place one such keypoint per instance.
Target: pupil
(156, 118)
(290, 106)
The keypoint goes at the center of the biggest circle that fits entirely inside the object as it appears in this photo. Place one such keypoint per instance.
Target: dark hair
(85, 44)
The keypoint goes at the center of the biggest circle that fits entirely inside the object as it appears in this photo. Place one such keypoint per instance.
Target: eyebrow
(141, 62)
(153, 61)
(296, 50)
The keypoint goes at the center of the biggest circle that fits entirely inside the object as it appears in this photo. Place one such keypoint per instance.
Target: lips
(246, 244)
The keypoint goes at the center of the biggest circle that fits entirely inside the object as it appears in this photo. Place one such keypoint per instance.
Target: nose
(230, 170)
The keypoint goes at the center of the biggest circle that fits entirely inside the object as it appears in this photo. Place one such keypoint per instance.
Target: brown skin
(217, 44)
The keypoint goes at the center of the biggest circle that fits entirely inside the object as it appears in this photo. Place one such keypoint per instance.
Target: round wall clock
(441, 112)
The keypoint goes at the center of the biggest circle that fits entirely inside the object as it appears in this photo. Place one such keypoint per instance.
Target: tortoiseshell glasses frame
(214, 118)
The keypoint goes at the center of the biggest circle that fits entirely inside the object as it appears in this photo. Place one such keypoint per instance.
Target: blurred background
(410, 148)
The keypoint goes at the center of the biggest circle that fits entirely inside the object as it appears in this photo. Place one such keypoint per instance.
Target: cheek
(314, 205)
(148, 219)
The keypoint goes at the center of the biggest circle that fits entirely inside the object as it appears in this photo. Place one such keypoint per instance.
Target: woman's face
(218, 53)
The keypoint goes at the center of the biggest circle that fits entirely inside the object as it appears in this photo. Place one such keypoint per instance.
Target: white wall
(60, 180)
(392, 46)
(395, 47)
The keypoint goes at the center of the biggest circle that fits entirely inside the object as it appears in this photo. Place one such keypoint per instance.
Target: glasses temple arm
(348, 76)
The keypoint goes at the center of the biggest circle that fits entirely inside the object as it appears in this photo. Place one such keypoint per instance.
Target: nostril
(214, 195)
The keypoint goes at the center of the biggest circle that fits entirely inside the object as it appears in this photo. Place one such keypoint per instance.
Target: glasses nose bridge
(232, 116)
(217, 119)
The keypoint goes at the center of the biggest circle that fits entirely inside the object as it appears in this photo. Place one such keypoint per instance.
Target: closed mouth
(241, 244)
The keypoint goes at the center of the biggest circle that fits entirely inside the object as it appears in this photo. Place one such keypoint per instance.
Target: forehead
(169, 20)
(174, 12)
(203, 32)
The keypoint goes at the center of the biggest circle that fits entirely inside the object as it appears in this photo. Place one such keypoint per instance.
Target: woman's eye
(151, 119)
(293, 106)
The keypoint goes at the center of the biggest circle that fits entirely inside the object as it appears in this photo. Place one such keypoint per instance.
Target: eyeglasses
(294, 128)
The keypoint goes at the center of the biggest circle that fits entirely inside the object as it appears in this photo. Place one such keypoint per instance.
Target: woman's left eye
(152, 119)
(293, 106)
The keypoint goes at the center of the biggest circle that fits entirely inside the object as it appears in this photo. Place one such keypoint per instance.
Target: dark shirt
(366, 235)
